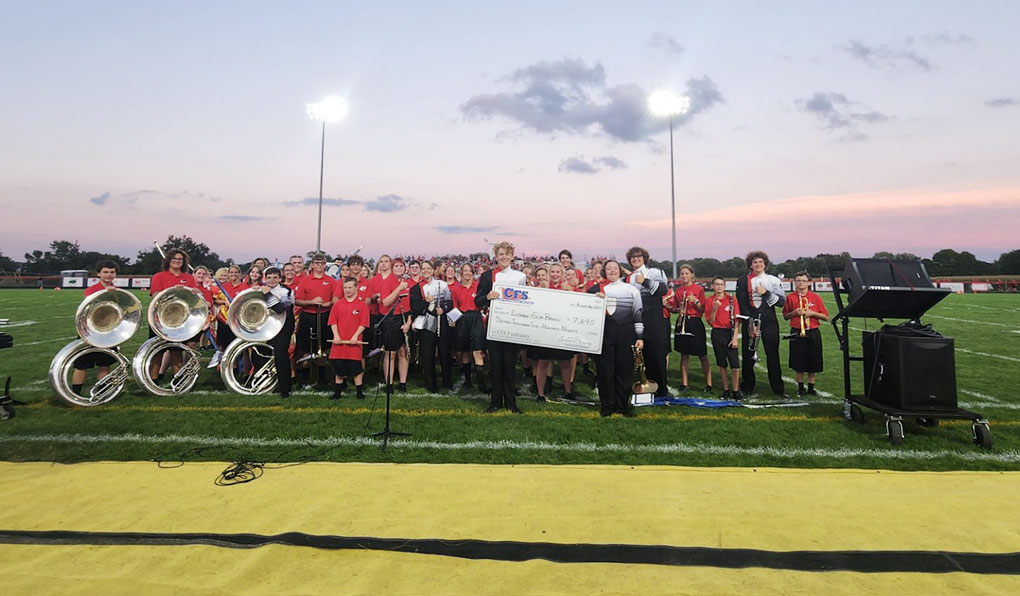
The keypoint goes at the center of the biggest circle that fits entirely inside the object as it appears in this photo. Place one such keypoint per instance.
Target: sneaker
(684, 387)
(726, 394)
(801, 392)
(708, 389)
(515, 410)
(285, 395)
(215, 360)
(811, 391)
(492, 409)
(402, 388)
(540, 398)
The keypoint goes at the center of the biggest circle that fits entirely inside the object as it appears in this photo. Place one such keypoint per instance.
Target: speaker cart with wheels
(909, 369)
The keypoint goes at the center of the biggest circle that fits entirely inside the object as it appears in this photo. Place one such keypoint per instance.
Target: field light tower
(331, 109)
(665, 103)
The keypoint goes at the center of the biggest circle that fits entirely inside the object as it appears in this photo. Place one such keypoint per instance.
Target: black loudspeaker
(910, 373)
(892, 288)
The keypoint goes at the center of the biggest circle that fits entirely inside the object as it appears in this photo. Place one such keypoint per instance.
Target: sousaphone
(247, 366)
(104, 320)
(176, 315)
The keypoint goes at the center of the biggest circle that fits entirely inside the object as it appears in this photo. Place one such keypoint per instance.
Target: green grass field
(212, 424)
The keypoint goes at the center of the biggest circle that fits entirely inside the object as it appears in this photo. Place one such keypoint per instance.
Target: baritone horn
(176, 315)
(254, 323)
(643, 385)
(104, 320)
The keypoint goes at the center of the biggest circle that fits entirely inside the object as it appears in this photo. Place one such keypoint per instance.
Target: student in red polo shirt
(107, 272)
(804, 309)
(298, 262)
(469, 329)
(689, 338)
(315, 294)
(175, 264)
(721, 312)
(387, 291)
(348, 320)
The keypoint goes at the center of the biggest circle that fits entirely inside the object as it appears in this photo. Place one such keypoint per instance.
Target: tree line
(65, 254)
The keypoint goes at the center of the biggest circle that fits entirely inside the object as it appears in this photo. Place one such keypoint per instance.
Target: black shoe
(335, 396)
(540, 398)
(684, 388)
(515, 410)
(402, 388)
(726, 394)
(285, 395)
(801, 392)
(708, 389)
(361, 391)
(605, 414)
(569, 397)
(492, 409)
(628, 412)
(811, 391)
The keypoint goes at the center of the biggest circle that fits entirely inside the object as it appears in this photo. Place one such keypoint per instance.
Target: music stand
(386, 433)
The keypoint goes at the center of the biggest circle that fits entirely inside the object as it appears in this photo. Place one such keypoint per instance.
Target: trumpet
(683, 315)
(803, 303)
(643, 385)
(754, 334)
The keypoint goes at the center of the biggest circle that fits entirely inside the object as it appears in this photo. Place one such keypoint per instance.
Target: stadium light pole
(665, 103)
(331, 109)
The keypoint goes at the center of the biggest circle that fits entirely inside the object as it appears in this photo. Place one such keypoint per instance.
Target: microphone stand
(386, 433)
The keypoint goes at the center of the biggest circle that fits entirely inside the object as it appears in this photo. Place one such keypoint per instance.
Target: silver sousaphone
(247, 366)
(176, 315)
(104, 320)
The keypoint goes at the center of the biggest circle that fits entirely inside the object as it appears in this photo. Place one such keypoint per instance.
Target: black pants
(656, 338)
(615, 366)
(427, 350)
(503, 358)
(769, 340)
(281, 347)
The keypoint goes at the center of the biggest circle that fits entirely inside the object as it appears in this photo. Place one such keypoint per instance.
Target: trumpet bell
(106, 319)
(645, 386)
(179, 313)
(251, 319)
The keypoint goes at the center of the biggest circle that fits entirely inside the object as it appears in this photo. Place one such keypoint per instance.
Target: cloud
(130, 199)
(886, 57)
(568, 96)
(947, 37)
(661, 41)
(837, 113)
(327, 201)
(387, 204)
(998, 102)
(579, 165)
(464, 229)
(242, 217)
(101, 199)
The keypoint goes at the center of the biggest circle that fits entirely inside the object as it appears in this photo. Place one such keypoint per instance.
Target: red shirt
(693, 309)
(384, 286)
(98, 287)
(464, 297)
(365, 291)
(165, 279)
(207, 293)
(311, 287)
(811, 300)
(721, 317)
(347, 316)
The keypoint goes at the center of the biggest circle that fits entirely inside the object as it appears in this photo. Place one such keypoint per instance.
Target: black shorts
(725, 356)
(87, 361)
(693, 344)
(806, 352)
(347, 368)
(470, 332)
(392, 334)
(306, 325)
(539, 353)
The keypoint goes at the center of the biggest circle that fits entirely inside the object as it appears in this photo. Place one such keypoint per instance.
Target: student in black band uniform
(652, 285)
(431, 300)
(502, 355)
(623, 331)
(760, 294)
(280, 299)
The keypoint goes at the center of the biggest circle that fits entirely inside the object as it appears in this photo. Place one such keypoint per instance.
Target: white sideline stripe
(45, 341)
(999, 356)
(988, 404)
(18, 324)
(675, 448)
(980, 395)
(969, 306)
(972, 322)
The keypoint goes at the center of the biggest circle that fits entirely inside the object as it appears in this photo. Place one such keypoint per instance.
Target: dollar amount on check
(547, 318)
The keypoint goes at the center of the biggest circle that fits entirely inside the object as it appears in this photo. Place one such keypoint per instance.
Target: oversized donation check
(547, 318)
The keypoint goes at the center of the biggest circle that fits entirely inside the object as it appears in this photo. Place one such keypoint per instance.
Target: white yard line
(674, 448)
(44, 341)
(971, 322)
(999, 356)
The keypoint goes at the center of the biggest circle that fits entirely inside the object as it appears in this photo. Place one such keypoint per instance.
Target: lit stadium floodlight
(666, 103)
(331, 109)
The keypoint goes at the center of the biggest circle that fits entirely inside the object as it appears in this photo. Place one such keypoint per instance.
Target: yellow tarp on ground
(769, 509)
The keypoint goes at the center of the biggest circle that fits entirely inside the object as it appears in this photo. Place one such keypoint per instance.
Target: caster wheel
(928, 422)
(982, 436)
(895, 429)
(856, 414)
(6, 412)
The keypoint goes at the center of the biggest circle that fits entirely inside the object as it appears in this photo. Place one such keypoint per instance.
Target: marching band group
(333, 320)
